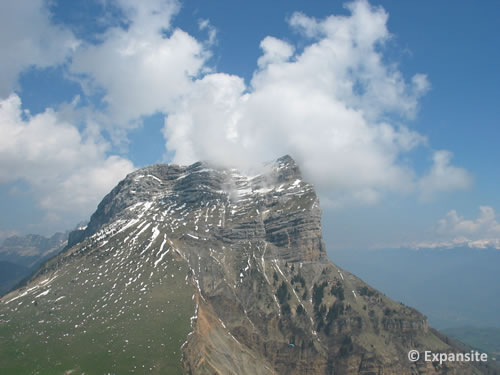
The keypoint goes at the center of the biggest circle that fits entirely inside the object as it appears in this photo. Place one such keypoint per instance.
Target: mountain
(31, 249)
(206, 270)
(434, 281)
(22, 255)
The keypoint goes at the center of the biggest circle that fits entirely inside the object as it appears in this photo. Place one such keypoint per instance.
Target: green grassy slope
(110, 310)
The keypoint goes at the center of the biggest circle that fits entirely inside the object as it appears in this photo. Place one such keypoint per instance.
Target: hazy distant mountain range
(21, 255)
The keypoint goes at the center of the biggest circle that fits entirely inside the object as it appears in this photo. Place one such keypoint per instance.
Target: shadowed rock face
(226, 273)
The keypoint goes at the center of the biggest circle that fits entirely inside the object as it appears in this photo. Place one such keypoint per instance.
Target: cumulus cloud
(335, 105)
(455, 230)
(68, 172)
(274, 51)
(443, 176)
(485, 225)
(141, 69)
(329, 105)
(29, 39)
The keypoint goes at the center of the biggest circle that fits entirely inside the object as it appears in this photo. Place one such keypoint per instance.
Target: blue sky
(391, 108)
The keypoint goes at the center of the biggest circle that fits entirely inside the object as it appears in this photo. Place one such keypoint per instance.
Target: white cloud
(443, 176)
(274, 51)
(204, 24)
(329, 106)
(140, 70)
(484, 225)
(454, 243)
(351, 50)
(148, 17)
(68, 172)
(456, 231)
(28, 38)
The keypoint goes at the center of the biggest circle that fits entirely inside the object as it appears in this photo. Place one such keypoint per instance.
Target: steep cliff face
(206, 270)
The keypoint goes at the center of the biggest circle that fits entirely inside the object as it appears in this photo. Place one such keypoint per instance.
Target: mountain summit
(206, 270)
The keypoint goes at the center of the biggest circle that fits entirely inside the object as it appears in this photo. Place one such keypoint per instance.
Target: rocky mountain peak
(273, 203)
